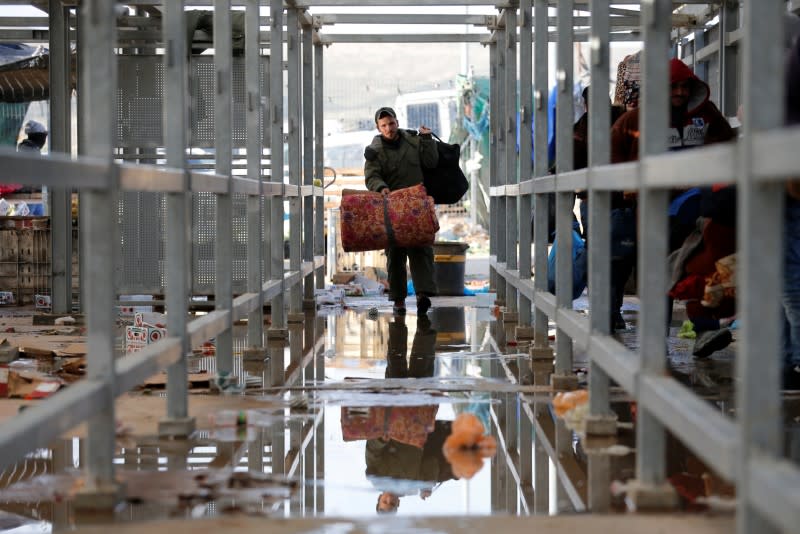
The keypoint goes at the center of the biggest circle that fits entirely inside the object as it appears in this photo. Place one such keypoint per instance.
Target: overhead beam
(401, 38)
(348, 18)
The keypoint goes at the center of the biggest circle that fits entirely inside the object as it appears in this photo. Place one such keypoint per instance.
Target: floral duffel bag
(404, 218)
(406, 424)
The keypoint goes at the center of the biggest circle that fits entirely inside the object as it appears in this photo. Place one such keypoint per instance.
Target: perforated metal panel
(204, 208)
(140, 138)
(141, 218)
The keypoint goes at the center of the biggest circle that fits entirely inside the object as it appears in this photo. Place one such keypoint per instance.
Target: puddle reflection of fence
(537, 447)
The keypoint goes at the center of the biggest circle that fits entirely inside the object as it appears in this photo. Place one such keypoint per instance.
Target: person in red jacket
(694, 121)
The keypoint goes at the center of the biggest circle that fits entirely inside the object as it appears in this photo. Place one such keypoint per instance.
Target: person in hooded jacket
(694, 121)
(36, 137)
(394, 160)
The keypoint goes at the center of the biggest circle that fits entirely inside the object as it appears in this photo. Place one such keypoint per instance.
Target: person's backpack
(446, 182)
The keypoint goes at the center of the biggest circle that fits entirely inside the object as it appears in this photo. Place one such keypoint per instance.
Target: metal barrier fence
(745, 449)
(101, 181)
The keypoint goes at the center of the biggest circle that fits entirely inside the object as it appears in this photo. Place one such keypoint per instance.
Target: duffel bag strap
(388, 222)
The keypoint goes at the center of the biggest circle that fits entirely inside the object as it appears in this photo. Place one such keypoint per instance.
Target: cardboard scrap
(73, 350)
(34, 347)
(41, 319)
(72, 369)
(29, 384)
(343, 278)
(196, 380)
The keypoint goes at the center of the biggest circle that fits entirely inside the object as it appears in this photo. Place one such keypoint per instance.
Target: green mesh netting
(11, 118)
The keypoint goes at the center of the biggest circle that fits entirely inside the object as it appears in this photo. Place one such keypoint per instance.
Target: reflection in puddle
(362, 427)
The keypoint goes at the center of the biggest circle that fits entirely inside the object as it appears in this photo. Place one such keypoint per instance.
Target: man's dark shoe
(423, 304)
(791, 377)
(711, 341)
(399, 307)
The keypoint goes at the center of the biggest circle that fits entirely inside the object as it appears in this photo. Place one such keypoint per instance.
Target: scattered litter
(200, 379)
(299, 403)
(42, 302)
(617, 450)
(467, 446)
(223, 418)
(333, 296)
(150, 319)
(27, 384)
(8, 352)
(361, 303)
(687, 330)
(225, 382)
(572, 407)
(342, 278)
(183, 488)
(64, 320)
(716, 503)
(242, 418)
(72, 369)
(368, 285)
(148, 327)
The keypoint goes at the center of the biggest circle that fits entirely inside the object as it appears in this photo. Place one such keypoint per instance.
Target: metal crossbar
(745, 449)
(100, 180)
(741, 449)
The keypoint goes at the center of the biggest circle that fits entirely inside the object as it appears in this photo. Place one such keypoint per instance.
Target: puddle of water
(369, 417)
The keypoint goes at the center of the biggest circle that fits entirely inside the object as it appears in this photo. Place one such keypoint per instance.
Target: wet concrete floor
(370, 400)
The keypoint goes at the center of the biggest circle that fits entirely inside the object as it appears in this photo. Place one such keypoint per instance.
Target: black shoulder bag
(446, 182)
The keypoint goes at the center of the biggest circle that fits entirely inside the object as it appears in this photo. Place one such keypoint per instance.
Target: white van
(435, 109)
(345, 150)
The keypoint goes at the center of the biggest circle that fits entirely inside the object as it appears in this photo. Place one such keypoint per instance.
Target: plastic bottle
(228, 418)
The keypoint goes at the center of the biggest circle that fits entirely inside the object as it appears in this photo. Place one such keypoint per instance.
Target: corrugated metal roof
(26, 80)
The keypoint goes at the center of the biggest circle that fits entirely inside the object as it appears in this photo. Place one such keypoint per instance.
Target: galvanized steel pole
(101, 245)
(178, 265)
(652, 223)
(223, 127)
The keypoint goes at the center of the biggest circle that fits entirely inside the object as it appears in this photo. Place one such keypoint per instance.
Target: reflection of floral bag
(404, 218)
(722, 283)
(406, 424)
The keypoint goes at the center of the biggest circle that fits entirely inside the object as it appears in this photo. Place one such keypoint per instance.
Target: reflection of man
(404, 443)
(399, 469)
(403, 451)
(422, 349)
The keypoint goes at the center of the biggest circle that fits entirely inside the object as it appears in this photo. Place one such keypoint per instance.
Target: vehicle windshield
(344, 156)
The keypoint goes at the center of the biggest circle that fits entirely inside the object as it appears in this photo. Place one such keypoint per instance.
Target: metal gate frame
(745, 450)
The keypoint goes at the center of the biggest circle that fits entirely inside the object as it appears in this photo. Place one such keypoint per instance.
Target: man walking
(394, 160)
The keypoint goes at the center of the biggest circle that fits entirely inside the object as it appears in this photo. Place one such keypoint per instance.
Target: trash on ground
(467, 446)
